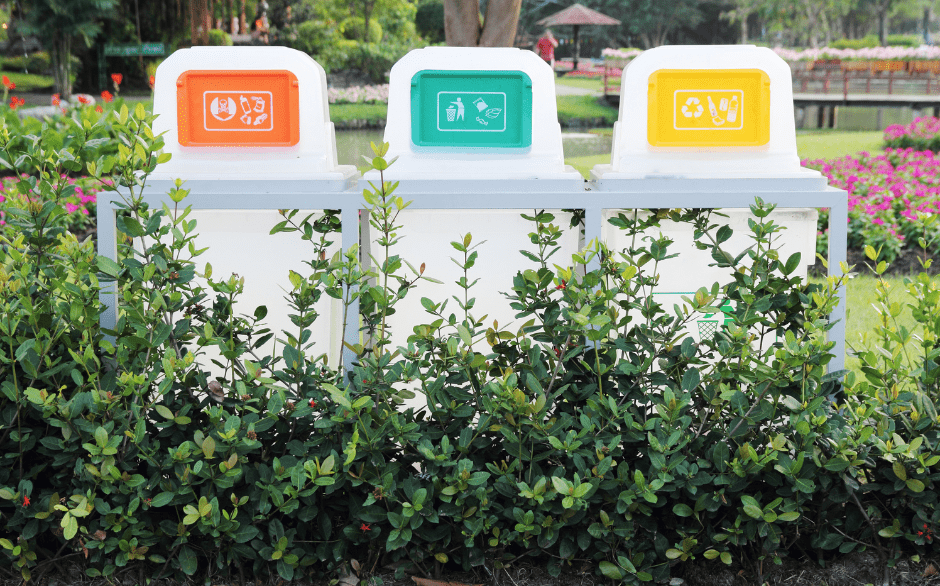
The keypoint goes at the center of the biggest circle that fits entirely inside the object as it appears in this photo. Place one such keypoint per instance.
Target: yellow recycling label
(708, 107)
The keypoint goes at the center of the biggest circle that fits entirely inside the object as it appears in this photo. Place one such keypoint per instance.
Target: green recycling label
(489, 109)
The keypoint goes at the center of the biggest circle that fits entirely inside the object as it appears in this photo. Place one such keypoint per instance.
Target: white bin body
(230, 184)
(684, 274)
(240, 243)
(500, 234)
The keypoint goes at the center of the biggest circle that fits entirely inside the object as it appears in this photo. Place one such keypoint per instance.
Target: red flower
(313, 403)
(99, 109)
(365, 527)
(153, 81)
(11, 86)
(117, 78)
(562, 286)
(25, 501)
(16, 102)
(107, 96)
(56, 99)
(6, 80)
(83, 100)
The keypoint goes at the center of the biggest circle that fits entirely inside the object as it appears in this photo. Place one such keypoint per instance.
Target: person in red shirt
(545, 48)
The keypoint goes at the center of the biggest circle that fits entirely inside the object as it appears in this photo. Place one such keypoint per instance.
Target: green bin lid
(471, 109)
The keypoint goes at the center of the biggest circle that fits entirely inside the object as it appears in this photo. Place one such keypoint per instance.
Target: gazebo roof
(578, 14)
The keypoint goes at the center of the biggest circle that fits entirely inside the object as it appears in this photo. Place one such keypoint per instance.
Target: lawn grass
(28, 82)
(829, 144)
(360, 111)
(586, 163)
(589, 108)
(809, 145)
(862, 319)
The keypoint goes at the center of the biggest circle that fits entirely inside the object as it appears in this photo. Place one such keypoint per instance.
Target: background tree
(57, 23)
(653, 20)
(429, 20)
(464, 26)
(741, 12)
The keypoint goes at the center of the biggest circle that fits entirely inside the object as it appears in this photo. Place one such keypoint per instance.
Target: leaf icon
(493, 112)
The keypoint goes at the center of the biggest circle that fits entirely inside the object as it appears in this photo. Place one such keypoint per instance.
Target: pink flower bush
(359, 93)
(922, 134)
(79, 204)
(620, 53)
(923, 52)
(886, 195)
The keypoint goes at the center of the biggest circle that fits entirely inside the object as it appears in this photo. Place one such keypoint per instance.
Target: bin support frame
(593, 197)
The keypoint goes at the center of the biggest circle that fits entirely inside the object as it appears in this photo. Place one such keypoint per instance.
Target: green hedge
(864, 43)
(596, 432)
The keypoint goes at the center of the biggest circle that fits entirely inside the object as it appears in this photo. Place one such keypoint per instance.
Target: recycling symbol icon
(687, 108)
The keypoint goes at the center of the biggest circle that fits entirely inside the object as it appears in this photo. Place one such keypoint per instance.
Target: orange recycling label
(238, 108)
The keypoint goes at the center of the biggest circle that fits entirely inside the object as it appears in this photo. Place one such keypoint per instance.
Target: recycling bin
(248, 130)
(713, 127)
(477, 140)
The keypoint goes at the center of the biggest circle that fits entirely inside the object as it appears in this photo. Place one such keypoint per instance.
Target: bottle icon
(733, 109)
(716, 119)
(246, 107)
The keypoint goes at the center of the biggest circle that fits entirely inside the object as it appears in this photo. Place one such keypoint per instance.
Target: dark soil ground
(855, 569)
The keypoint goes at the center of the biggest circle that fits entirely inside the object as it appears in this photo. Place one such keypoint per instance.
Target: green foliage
(354, 29)
(57, 24)
(102, 137)
(585, 111)
(595, 431)
(219, 38)
(313, 35)
(904, 41)
(864, 43)
(429, 20)
(38, 62)
(28, 82)
(892, 405)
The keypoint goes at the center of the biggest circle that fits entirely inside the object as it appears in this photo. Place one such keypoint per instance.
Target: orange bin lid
(238, 108)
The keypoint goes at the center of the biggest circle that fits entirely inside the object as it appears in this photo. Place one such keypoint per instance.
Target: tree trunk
(462, 23)
(883, 26)
(367, 15)
(927, 25)
(744, 29)
(60, 67)
(499, 26)
(200, 22)
(242, 21)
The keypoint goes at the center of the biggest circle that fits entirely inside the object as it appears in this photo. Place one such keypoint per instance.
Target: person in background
(545, 47)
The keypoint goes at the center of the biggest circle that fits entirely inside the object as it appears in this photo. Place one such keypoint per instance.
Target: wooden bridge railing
(882, 77)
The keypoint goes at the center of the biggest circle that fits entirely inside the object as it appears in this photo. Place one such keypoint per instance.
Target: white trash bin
(249, 132)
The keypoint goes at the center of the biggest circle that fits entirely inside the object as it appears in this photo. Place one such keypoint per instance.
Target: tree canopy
(57, 23)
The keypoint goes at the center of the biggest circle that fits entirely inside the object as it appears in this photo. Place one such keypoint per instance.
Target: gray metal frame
(593, 197)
